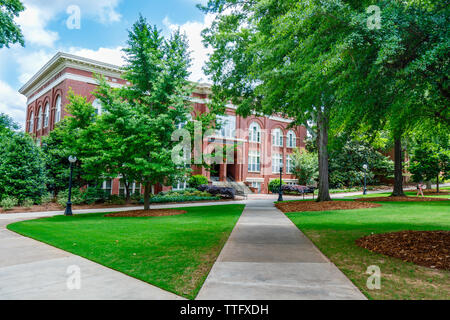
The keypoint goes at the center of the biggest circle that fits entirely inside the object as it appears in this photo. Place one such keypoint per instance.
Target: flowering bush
(224, 192)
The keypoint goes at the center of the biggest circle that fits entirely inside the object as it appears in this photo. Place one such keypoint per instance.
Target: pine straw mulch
(426, 248)
(300, 206)
(433, 192)
(147, 213)
(398, 199)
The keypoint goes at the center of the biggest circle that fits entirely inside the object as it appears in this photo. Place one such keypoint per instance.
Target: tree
(9, 31)
(22, 173)
(7, 123)
(306, 167)
(430, 161)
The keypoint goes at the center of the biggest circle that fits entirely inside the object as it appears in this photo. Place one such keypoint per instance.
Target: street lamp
(365, 167)
(280, 191)
(68, 211)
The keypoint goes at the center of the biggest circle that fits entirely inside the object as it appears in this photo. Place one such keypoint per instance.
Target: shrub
(274, 185)
(197, 180)
(46, 198)
(116, 200)
(8, 203)
(162, 199)
(224, 192)
(92, 195)
(27, 203)
(61, 199)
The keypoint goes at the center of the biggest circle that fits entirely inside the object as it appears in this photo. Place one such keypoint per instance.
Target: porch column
(223, 172)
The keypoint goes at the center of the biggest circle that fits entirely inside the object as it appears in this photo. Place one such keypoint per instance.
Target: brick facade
(65, 71)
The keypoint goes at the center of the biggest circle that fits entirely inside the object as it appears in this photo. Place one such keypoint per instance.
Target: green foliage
(347, 161)
(27, 203)
(89, 195)
(430, 161)
(22, 172)
(306, 167)
(274, 185)
(7, 203)
(197, 180)
(116, 200)
(181, 198)
(10, 32)
(7, 123)
(46, 198)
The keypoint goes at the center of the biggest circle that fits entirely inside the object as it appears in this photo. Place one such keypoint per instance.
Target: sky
(50, 26)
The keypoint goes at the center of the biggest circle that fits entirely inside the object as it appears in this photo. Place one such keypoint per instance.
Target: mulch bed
(426, 248)
(300, 206)
(396, 199)
(433, 192)
(147, 213)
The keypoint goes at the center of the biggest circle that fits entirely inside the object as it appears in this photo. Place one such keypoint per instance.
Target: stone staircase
(240, 187)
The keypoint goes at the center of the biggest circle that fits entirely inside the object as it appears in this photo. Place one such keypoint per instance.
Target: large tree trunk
(127, 192)
(322, 145)
(398, 169)
(147, 191)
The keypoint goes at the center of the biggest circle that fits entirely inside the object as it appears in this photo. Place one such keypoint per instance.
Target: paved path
(268, 257)
(30, 269)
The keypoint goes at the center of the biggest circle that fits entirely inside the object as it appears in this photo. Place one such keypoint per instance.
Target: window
(277, 162)
(180, 125)
(97, 106)
(227, 126)
(46, 114)
(291, 139)
(122, 189)
(31, 123)
(254, 161)
(254, 134)
(179, 185)
(256, 185)
(39, 122)
(277, 138)
(289, 164)
(58, 109)
(107, 187)
(38, 142)
(136, 188)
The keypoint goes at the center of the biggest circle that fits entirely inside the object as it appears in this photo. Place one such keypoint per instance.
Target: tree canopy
(10, 32)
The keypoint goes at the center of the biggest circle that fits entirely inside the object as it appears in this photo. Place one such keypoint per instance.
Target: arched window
(97, 106)
(291, 139)
(31, 123)
(277, 137)
(46, 114)
(58, 109)
(39, 122)
(254, 134)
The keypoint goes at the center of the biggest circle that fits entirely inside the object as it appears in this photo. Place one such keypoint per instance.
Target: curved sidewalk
(268, 257)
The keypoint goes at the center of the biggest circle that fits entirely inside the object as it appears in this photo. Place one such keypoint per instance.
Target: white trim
(69, 76)
(255, 180)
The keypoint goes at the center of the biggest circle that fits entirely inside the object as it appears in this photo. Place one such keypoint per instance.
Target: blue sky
(101, 36)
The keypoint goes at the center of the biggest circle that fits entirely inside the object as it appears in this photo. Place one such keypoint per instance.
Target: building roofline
(62, 57)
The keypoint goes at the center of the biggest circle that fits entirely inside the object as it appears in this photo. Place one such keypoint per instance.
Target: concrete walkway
(30, 269)
(268, 257)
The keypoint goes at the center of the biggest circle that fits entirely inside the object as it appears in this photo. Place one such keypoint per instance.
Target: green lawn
(408, 193)
(335, 232)
(174, 252)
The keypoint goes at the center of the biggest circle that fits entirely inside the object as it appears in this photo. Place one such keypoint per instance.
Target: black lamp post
(365, 167)
(68, 211)
(280, 191)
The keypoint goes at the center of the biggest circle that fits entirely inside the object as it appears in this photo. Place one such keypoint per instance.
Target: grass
(408, 193)
(175, 253)
(335, 232)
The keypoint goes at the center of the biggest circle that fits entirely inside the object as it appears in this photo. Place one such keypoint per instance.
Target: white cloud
(108, 55)
(38, 13)
(12, 103)
(199, 53)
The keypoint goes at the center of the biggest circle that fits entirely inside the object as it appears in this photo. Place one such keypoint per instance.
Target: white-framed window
(277, 137)
(179, 185)
(107, 186)
(31, 123)
(254, 163)
(291, 183)
(277, 162)
(256, 185)
(289, 164)
(291, 140)
(46, 114)
(136, 188)
(227, 126)
(254, 134)
(97, 106)
(39, 122)
(122, 189)
(58, 109)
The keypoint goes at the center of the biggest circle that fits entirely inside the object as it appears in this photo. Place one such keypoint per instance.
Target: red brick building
(263, 143)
